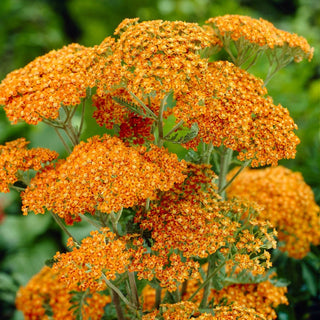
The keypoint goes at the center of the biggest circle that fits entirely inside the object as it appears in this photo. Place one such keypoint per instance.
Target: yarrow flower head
(192, 220)
(286, 201)
(45, 297)
(261, 33)
(39, 89)
(168, 268)
(185, 310)
(102, 174)
(83, 266)
(189, 216)
(263, 297)
(150, 59)
(15, 158)
(232, 109)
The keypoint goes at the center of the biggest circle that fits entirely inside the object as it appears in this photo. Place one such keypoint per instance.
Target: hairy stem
(62, 140)
(209, 277)
(91, 221)
(62, 226)
(244, 165)
(117, 305)
(206, 291)
(177, 126)
(82, 119)
(115, 217)
(134, 290)
(119, 293)
(158, 297)
(225, 160)
(160, 120)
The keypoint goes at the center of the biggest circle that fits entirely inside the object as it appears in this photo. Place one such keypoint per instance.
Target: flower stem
(82, 119)
(177, 126)
(216, 270)
(206, 291)
(62, 140)
(91, 221)
(115, 217)
(62, 226)
(244, 165)
(118, 292)
(225, 160)
(158, 297)
(134, 290)
(116, 302)
(160, 120)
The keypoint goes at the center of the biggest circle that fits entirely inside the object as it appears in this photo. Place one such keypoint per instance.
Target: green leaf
(310, 279)
(181, 136)
(217, 283)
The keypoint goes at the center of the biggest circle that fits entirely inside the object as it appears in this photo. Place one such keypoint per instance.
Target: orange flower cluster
(286, 201)
(233, 110)
(150, 59)
(192, 220)
(169, 268)
(136, 129)
(45, 294)
(185, 310)
(259, 32)
(263, 297)
(15, 157)
(38, 90)
(102, 174)
(236, 312)
(161, 56)
(189, 218)
(82, 267)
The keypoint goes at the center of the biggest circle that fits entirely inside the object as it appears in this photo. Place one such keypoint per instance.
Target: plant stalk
(225, 160)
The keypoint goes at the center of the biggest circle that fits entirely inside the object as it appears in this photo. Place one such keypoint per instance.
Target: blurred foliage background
(29, 28)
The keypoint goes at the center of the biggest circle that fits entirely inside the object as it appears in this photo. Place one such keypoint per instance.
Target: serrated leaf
(142, 110)
(130, 105)
(180, 137)
(79, 299)
(217, 283)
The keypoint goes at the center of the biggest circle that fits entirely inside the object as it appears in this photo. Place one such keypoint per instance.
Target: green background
(29, 28)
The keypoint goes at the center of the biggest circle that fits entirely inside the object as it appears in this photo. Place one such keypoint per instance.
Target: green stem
(62, 226)
(147, 207)
(209, 277)
(117, 305)
(206, 291)
(82, 119)
(225, 160)
(69, 129)
(160, 121)
(134, 290)
(115, 217)
(115, 289)
(207, 155)
(158, 297)
(91, 221)
(177, 126)
(62, 140)
(244, 165)
(19, 189)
